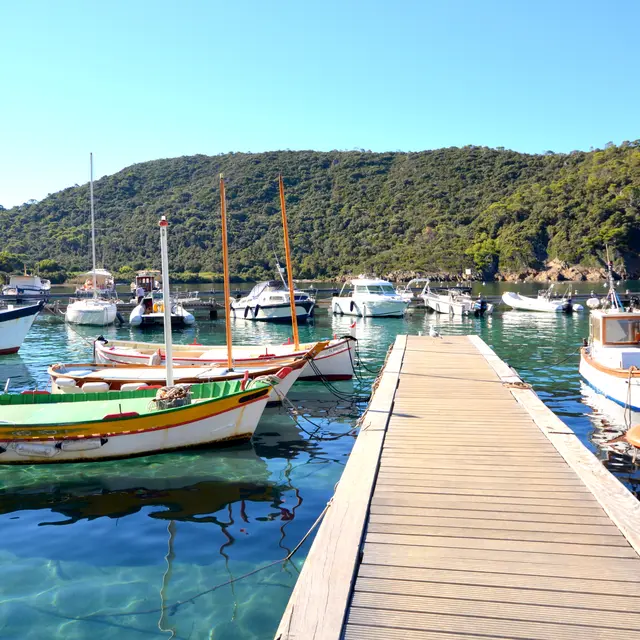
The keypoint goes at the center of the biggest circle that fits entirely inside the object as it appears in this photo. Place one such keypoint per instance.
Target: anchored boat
(334, 362)
(26, 286)
(150, 312)
(270, 302)
(92, 378)
(369, 298)
(545, 301)
(39, 427)
(95, 312)
(15, 322)
(455, 301)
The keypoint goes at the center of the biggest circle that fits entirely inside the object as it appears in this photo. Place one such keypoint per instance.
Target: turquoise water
(81, 542)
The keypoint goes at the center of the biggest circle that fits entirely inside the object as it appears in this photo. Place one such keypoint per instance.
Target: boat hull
(14, 326)
(611, 383)
(199, 424)
(441, 304)
(335, 362)
(273, 313)
(138, 318)
(348, 306)
(85, 313)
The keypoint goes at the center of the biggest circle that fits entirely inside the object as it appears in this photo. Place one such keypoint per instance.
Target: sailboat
(39, 427)
(92, 311)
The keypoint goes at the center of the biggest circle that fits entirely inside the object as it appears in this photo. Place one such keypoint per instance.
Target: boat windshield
(384, 289)
(621, 330)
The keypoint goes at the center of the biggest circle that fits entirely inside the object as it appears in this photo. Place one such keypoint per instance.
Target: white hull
(272, 313)
(369, 308)
(441, 304)
(615, 388)
(13, 331)
(89, 312)
(524, 303)
(236, 424)
(335, 362)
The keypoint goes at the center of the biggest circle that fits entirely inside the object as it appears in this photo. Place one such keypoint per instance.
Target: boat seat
(95, 387)
(132, 386)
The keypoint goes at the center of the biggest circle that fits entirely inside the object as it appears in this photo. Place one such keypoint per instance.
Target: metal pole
(287, 252)
(93, 227)
(166, 299)
(225, 265)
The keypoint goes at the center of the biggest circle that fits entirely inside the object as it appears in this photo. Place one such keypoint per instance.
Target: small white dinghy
(545, 301)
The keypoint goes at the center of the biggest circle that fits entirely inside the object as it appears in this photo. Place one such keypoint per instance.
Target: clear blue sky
(136, 80)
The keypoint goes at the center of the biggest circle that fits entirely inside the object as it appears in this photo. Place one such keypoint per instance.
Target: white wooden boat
(151, 312)
(455, 301)
(545, 301)
(15, 322)
(95, 312)
(369, 298)
(39, 427)
(334, 362)
(26, 286)
(270, 302)
(611, 361)
(91, 378)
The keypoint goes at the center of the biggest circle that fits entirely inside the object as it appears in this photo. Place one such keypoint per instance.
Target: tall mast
(166, 299)
(287, 252)
(93, 227)
(225, 266)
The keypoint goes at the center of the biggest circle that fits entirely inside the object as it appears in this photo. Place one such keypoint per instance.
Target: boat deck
(468, 510)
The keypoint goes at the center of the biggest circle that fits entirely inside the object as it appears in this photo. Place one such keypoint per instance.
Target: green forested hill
(446, 209)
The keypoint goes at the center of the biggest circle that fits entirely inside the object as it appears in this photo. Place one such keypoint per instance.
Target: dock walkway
(468, 510)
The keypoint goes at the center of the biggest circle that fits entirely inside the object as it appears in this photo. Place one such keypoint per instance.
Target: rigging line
(179, 603)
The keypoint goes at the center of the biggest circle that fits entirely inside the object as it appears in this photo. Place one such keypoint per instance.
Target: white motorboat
(545, 301)
(454, 301)
(334, 362)
(151, 312)
(91, 311)
(95, 312)
(27, 286)
(269, 302)
(104, 284)
(15, 322)
(369, 298)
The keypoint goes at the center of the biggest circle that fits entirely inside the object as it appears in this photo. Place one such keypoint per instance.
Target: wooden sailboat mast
(287, 251)
(225, 264)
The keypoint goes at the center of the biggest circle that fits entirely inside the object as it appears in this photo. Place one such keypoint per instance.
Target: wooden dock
(468, 510)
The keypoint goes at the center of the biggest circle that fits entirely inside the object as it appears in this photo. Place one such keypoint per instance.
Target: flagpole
(166, 299)
(287, 252)
(225, 264)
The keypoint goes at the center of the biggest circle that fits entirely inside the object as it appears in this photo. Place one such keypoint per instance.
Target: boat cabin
(615, 338)
(148, 280)
(104, 280)
(368, 286)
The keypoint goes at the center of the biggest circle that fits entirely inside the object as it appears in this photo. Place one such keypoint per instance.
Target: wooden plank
(458, 626)
(554, 584)
(523, 594)
(504, 546)
(377, 524)
(497, 609)
(532, 564)
(322, 591)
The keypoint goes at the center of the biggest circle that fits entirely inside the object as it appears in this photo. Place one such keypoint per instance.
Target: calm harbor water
(96, 550)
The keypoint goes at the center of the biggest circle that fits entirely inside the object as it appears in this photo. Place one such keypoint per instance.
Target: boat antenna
(225, 265)
(287, 252)
(279, 268)
(166, 299)
(93, 226)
